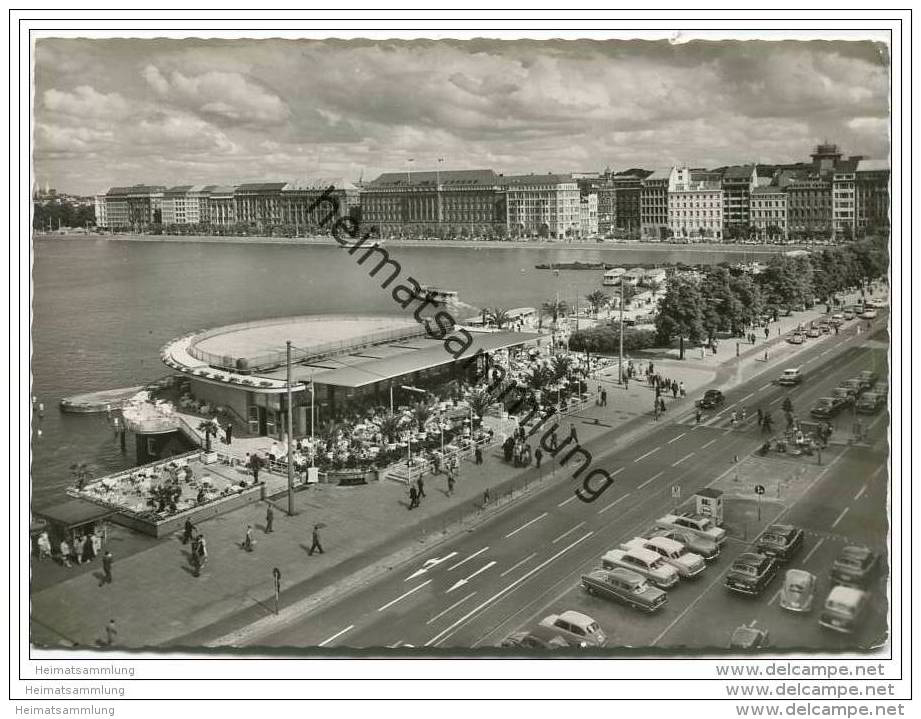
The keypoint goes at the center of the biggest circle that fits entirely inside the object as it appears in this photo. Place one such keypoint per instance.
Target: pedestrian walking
(674, 390)
(681, 389)
(732, 420)
(413, 497)
(486, 497)
(421, 491)
(662, 405)
(106, 568)
(554, 443)
(767, 333)
(111, 633)
(760, 416)
(202, 550)
(44, 546)
(697, 416)
(228, 433)
(450, 483)
(573, 435)
(89, 551)
(538, 456)
(478, 455)
(604, 398)
(765, 355)
(248, 538)
(626, 380)
(315, 545)
(269, 518)
(188, 529)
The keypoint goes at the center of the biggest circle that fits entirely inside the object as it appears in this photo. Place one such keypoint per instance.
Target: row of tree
(59, 213)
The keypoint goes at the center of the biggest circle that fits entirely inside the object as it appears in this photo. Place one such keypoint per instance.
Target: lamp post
(620, 352)
(290, 435)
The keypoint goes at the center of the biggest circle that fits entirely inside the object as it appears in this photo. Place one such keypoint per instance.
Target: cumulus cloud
(86, 102)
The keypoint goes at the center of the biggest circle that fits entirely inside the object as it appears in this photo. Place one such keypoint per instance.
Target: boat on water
(612, 277)
(440, 295)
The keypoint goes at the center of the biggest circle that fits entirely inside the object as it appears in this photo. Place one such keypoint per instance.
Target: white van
(791, 376)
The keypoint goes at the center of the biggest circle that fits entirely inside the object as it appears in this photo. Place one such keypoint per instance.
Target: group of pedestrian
(417, 490)
(81, 550)
(199, 552)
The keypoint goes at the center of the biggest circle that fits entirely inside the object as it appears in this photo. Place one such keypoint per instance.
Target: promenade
(156, 600)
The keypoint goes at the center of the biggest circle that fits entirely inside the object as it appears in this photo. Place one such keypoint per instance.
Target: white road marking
(464, 561)
(779, 399)
(840, 517)
(774, 598)
(336, 635)
(428, 564)
(518, 564)
(689, 454)
(526, 524)
(567, 501)
(748, 396)
(617, 471)
(710, 442)
(813, 550)
(643, 456)
(877, 472)
(403, 596)
(602, 511)
(445, 611)
(825, 352)
(652, 478)
(675, 439)
(462, 582)
(769, 384)
(444, 633)
(860, 493)
(568, 532)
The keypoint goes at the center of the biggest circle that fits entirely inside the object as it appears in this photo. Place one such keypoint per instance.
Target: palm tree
(207, 428)
(480, 402)
(422, 413)
(540, 377)
(555, 307)
(390, 425)
(597, 300)
(497, 315)
(560, 366)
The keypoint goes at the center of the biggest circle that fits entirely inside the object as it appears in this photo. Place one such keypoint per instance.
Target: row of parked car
(817, 329)
(863, 393)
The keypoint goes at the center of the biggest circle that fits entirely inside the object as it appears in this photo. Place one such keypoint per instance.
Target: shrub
(606, 339)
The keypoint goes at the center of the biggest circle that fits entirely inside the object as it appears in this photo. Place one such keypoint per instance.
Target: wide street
(526, 562)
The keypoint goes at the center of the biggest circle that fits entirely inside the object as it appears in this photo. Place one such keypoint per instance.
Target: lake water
(103, 309)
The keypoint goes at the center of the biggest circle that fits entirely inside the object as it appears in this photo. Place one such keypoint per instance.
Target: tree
(597, 300)
(480, 402)
(207, 428)
(680, 312)
(555, 308)
(722, 309)
(422, 413)
(390, 426)
(560, 366)
(540, 376)
(497, 315)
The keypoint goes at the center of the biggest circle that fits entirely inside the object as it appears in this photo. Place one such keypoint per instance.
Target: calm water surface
(103, 309)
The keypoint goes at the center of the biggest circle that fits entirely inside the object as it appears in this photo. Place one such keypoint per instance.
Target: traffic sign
(676, 491)
(759, 489)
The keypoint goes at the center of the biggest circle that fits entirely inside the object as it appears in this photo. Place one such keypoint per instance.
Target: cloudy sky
(168, 112)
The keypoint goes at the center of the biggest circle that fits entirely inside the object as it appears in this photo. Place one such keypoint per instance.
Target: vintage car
(868, 377)
(780, 541)
(751, 573)
(869, 314)
(712, 398)
(871, 403)
(827, 407)
(855, 566)
(849, 314)
(836, 320)
(626, 587)
(694, 523)
(855, 386)
(699, 544)
(579, 630)
(528, 640)
(791, 376)
(798, 591)
(749, 637)
(642, 561)
(687, 564)
(813, 332)
(797, 338)
(825, 327)
(843, 609)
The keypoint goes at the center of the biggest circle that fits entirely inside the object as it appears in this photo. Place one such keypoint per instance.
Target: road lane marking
(518, 564)
(445, 611)
(526, 524)
(860, 493)
(779, 399)
(602, 511)
(813, 550)
(428, 564)
(689, 454)
(840, 517)
(336, 635)
(652, 478)
(446, 632)
(675, 439)
(568, 532)
(617, 471)
(464, 561)
(567, 501)
(748, 396)
(651, 451)
(774, 598)
(462, 582)
(403, 596)
(769, 384)
(877, 472)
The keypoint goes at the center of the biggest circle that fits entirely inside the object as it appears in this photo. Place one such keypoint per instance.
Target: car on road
(748, 637)
(529, 640)
(848, 314)
(751, 573)
(696, 524)
(712, 398)
(836, 320)
(827, 407)
(843, 609)
(687, 564)
(871, 403)
(845, 397)
(780, 541)
(704, 546)
(877, 303)
(855, 566)
(577, 629)
(791, 376)
(798, 591)
(825, 327)
(643, 562)
(796, 338)
(813, 332)
(869, 377)
(869, 314)
(854, 386)
(626, 587)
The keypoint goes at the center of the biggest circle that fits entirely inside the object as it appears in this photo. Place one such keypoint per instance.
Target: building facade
(221, 208)
(844, 200)
(186, 205)
(872, 196)
(100, 210)
(809, 207)
(311, 205)
(738, 183)
(607, 209)
(628, 189)
(542, 206)
(134, 208)
(695, 207)
(654, 206)
(588, 206)
(769, 213)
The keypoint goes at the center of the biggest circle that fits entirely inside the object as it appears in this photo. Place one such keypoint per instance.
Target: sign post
(759, 490)
(276, 576)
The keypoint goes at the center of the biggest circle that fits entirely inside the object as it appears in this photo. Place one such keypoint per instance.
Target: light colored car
(796, 339)
(695, 523)
(626, 587)
(849, 315)
(869, 314)
(687, 564)
(813, 332)
(791, 376)
(877, 303)
(578, 629)
(643, 562)
(705, 547)
(798, 591)
(843, 609)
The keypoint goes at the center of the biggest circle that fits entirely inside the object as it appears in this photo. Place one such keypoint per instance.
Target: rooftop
(447, 178)
(532, 179)
(319, 183)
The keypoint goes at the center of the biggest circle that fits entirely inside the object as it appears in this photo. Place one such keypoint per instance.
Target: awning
(74, 513)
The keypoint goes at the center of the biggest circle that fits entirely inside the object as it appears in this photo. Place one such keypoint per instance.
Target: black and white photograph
(461, 345)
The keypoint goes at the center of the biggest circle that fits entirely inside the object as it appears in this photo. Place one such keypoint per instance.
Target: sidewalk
(155, 599)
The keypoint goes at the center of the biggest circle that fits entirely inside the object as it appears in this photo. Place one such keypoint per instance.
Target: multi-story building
(809, 214)
(738, 183)
(449, 203)
(185, 205)
(844, 199)
(695, 207)
(221, 209)
(654, 205)
(588, 207)
(607, 208)
(302, 210)
(101, 210)
(258, 204)
(769, 212)
(628, 189)
(542, 206)
(872, 196)
(134, 208)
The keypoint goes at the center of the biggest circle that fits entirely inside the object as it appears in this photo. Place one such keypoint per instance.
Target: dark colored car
(780, 541)
(625, 587)
(712, 398)
(871, 403)
(855, 385)
(527, 640)
(845, 396)
(749, 637)
(826, 407)
(868, 377)
(855, 566)
(751, 573)
(706, 548)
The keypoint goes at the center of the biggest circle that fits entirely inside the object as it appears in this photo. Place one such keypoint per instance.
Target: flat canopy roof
(433, 355)
(74, 513)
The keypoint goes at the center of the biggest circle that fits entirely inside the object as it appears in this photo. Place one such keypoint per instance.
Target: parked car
(798, 591)
(826, 407)
(751, 573)
(849, 315)
(870, 403)
(796, 339)
(529, 640)
(869, 314)
(712, 398)
(869, 377)
(626, 587)
(643, 562)
(791, 376)
(836, 320)
(843, 609)
(854, 386)
(749, 637)
(780, 541)
(694, 523)
(825, 327)
(854, 566)
(813, 332)
(687, 564)
(699, 544)
(579, 630)
(882, 388)
(877, 303)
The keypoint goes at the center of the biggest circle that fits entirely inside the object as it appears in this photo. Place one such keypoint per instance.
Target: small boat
(439, 295)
